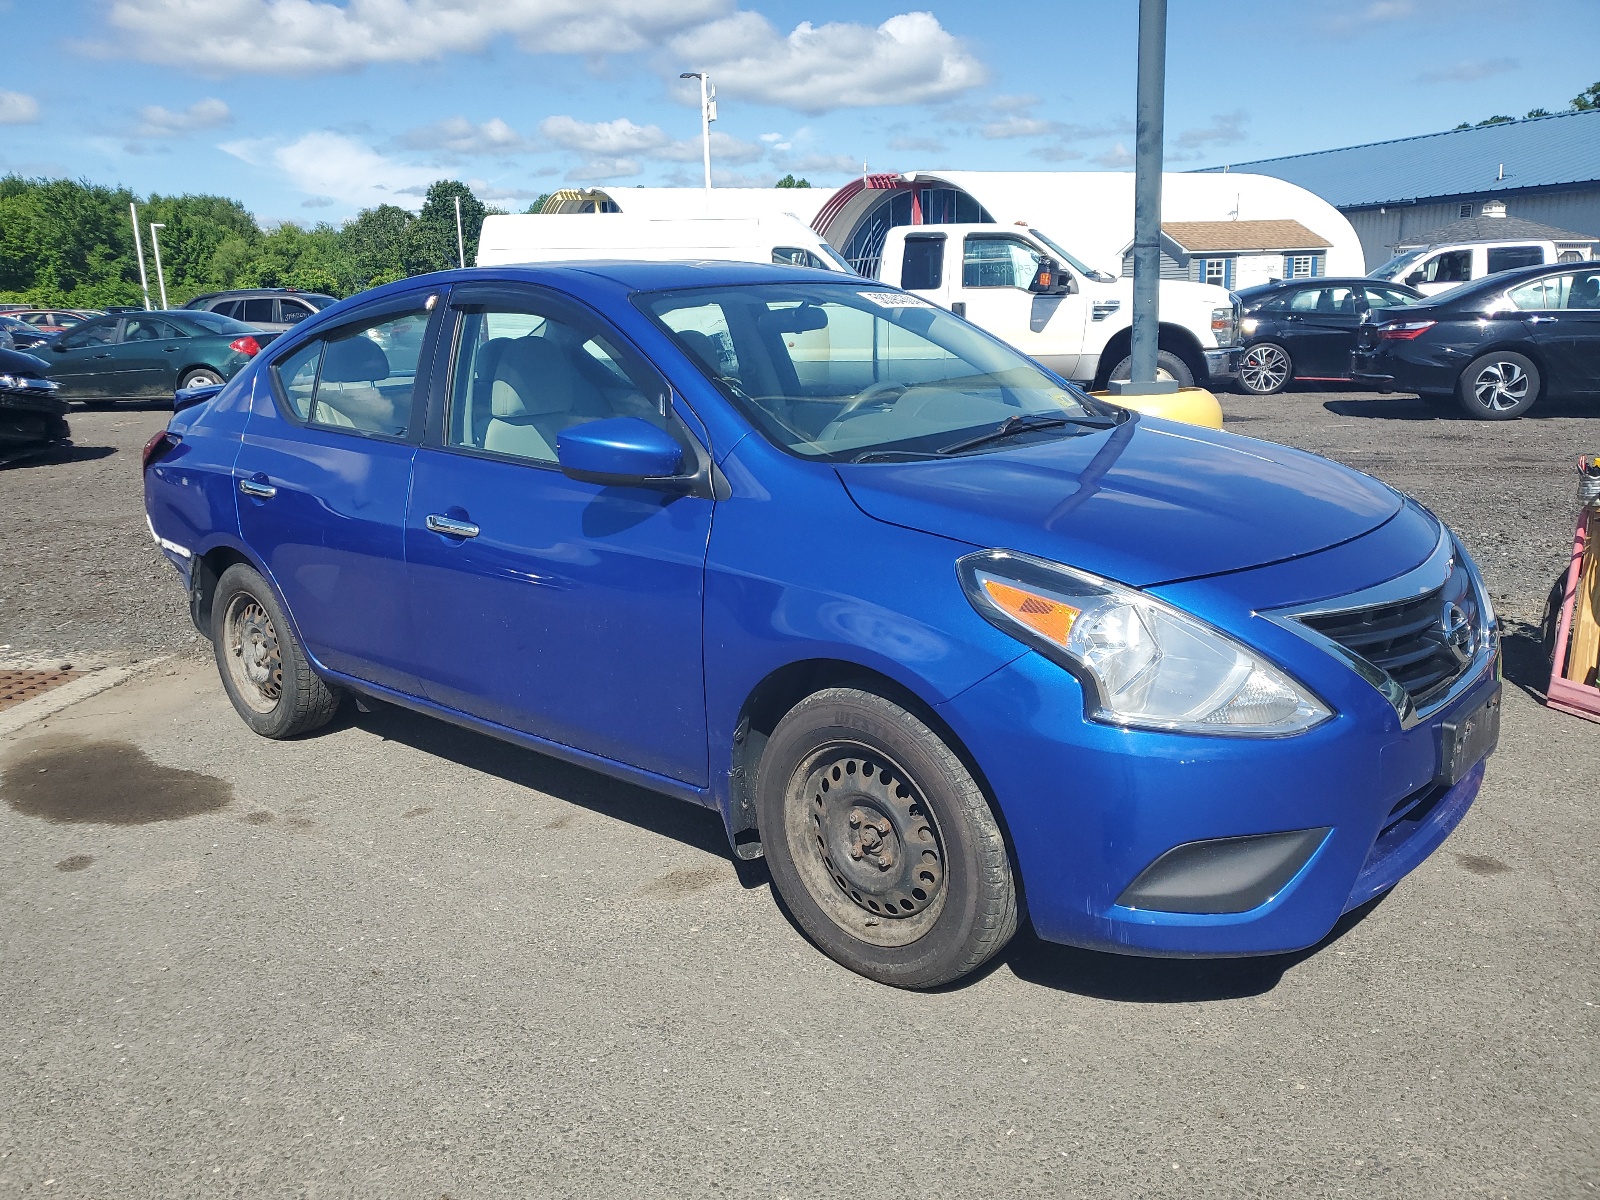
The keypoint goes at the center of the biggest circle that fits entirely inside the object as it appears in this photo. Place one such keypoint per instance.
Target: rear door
(323, 471)
(147, 357)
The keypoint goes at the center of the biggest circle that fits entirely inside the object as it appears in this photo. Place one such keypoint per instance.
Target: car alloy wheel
(1265, 369)
(201, 378)
(1501, 386)
(255, 662)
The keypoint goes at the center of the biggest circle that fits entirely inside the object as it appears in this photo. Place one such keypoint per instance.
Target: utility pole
(461, 245)
(138, 249)
(1148, 133)
(708, 114)
(161, 278)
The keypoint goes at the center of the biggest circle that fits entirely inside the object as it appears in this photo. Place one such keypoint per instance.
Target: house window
(1466, 210)
(1302, 266)
(1217, 271)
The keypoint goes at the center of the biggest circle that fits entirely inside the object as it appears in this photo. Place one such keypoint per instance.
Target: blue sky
(308, 110)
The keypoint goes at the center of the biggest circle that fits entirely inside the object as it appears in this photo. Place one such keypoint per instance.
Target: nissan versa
(946, 641)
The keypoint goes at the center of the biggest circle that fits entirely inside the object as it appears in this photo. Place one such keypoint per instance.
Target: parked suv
(928, 628)
(264, 308)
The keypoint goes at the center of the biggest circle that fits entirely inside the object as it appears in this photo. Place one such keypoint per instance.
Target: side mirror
(1414, 278)
(58, 347)
(1046, 278)
(619, 451)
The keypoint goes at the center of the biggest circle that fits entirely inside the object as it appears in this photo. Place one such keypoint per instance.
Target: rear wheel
(881, 843)
(1265, 369)
(1498, 386)
(264, 670)
(200, 377)
(1168, 366)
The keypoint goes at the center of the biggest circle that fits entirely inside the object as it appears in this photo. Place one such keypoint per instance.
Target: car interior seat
(1585, 292)
(703, 348)
(536, 392)
(347, 391)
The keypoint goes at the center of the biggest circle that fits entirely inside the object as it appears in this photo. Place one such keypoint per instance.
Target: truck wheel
(263, 668)
(880, 843)
(1265, 369)
(1168, 366)
(1498, 386)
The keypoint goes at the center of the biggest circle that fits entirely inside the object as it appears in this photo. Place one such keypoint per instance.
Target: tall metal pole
(705, 125)
(1147, 194)
(138, 249)
(161, 278)
(461, 245)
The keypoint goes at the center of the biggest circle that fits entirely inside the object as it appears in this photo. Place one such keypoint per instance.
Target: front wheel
(1498, 386)
(1168, 366)
(264, 670)
(1265, 369)
(881, 843)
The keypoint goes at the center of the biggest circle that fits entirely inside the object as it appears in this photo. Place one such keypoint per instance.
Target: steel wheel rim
(866, 844)
(1264, 369)
(1501, 386)
(252, 652)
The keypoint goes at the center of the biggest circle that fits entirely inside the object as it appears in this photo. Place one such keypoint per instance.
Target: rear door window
(258, 311)
(1509, 258)
(922, 265)
(1378, 297)
(361, 378)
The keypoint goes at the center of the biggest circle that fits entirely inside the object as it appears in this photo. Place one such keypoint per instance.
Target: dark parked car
(1496, 345)
(1306, 328)
(149, 354)
(19, 335)
(264, 308)
(33, 416)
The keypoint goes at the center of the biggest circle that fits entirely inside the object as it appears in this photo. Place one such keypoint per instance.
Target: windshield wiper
(1024, 423)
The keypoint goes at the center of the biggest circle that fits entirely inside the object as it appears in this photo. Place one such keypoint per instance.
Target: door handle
(257, 488)
(171, 349)
(451, 527)
(1541, 320)
(103, 355)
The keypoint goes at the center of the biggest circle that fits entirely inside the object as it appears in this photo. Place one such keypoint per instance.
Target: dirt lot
(397, 959)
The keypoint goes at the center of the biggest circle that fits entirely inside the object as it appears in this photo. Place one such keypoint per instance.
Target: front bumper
(1091, 808)
(1223, 364)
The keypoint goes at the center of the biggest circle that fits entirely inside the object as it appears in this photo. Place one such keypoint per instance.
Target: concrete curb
(96, 681)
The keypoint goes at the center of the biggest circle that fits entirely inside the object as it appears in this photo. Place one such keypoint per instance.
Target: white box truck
(1011, 280)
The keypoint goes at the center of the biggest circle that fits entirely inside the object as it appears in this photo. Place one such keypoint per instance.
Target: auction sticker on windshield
(895, 300)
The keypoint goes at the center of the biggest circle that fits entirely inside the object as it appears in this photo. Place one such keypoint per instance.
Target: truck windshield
(1064, 256)
(840, 372)
(1396, 266)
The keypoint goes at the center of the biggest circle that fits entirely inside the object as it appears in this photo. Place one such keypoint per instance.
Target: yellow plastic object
(1192, 406)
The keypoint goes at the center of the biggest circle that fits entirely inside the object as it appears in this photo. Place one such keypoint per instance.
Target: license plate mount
(1469, 738)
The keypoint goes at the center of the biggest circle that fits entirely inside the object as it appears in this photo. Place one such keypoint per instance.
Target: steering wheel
(869, 395)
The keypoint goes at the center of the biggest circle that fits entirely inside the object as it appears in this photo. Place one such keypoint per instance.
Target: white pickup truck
(1011, 280)
(1017, 283)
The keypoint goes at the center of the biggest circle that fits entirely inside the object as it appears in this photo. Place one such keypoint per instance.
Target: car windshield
(838, 372)
(217, 323)
(1396, 266)
(1063, 255)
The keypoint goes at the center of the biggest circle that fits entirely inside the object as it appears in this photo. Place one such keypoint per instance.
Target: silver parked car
(264, 308)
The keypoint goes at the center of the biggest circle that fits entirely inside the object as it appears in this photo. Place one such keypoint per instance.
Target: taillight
(159, 447)
(246, 346)
(1404, 331)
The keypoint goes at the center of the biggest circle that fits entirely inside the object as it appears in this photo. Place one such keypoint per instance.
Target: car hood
(1146, 503)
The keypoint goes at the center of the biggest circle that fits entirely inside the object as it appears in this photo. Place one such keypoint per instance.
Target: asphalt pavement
(397, 959)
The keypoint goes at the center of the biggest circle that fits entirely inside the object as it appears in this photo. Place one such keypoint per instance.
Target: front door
(1321, 324)
(80, 359)
(1562, 313)
(567, 610)
(993, 277)
(322, 475)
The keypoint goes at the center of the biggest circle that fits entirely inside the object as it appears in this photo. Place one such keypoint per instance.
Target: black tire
(1265, 369)
(200, 377)
(1499, 386)
(1168, 366)
(863, 809)
(263, 668)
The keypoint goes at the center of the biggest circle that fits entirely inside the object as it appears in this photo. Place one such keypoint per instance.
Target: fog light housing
(1223, 875)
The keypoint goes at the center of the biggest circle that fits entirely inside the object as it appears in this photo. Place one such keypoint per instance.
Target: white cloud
(1225, 129)
(457, 135)
(155, 121)
(909, 59)
(277, 37)
(17, 108)
(1118, 158)
(917, 145)
(620, 140)
(838, 164)
(600, 170)
(1470, 71)
(1016, 126)
(1374, 12)
(332, 165)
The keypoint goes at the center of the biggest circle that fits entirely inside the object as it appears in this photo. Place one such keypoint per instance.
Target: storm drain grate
(17, 686)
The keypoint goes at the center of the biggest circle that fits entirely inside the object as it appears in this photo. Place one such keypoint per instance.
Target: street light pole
(1148, 133)
(708, 114)
(138, 249)
(161, 279)
(461, 245)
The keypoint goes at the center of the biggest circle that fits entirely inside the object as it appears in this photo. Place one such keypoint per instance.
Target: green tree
(1588, 98)
(1536, 112)
(538, 205)
(432, 238)
(789, 181)
(375, 246)
(1497, 120)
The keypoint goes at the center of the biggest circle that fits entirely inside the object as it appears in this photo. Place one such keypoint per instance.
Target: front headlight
(1225, 325)
(1142, 662)
(1249, 325)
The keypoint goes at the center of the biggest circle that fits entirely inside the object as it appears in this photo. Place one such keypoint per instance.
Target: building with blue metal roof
(1544, 169)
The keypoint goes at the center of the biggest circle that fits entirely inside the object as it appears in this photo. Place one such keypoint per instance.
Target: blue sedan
(946, 641)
